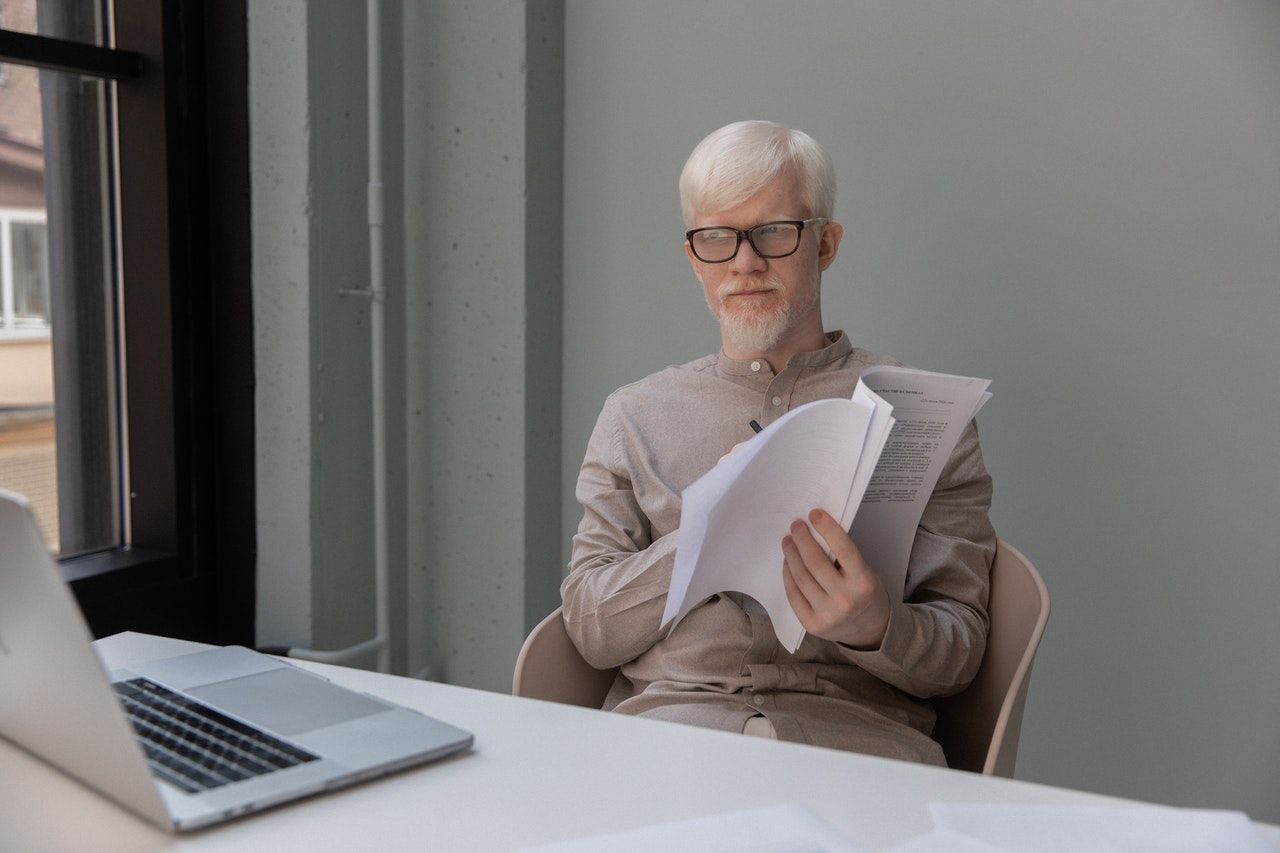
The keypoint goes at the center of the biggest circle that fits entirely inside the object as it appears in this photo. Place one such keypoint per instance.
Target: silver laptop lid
(54, 697)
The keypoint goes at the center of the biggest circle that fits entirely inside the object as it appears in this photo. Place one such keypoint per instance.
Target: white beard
(761, 331)
(757, 334)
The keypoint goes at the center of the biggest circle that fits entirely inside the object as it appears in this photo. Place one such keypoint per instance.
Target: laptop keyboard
(196, 748)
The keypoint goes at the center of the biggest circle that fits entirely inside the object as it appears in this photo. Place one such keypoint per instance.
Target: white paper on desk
(931, 411)
(772, 829)
(944, 841)
(733, 518)
(1075, 829)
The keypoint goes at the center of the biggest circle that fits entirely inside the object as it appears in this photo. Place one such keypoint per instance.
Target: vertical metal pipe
(377, 337)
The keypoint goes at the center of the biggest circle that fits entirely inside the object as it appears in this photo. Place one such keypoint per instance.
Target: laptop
(189, 741)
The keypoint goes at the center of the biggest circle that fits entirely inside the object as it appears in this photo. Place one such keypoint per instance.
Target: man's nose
(747, 261)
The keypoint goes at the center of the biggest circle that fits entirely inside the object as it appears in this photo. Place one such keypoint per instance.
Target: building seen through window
(27, 437)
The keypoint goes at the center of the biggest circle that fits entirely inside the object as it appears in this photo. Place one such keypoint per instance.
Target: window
(24, 274)
(114, 266)
(27, 294)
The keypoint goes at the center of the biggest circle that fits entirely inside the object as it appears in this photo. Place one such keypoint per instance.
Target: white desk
(539, 772)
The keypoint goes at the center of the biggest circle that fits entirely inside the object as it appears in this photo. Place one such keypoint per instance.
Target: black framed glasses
(716, 244)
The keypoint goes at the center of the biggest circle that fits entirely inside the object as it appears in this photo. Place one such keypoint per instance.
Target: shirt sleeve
(937, 635)
(618, 577)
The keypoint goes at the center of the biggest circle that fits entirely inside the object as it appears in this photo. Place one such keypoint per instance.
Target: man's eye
(715, 235)
(768, 230)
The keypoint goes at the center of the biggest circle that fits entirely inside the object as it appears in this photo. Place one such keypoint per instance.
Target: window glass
(59, 400)
(50, 18)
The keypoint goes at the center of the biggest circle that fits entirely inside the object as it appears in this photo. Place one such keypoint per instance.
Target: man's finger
(799, 604)
(815, 559)
(842, 546)
(808, 587)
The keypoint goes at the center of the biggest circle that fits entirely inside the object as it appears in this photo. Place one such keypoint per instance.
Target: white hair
(735, 162)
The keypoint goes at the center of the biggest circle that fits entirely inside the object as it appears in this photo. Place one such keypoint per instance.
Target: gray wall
(1080, 201)
(471, 140)
(483, 87)
(281, 321)
(309, 147)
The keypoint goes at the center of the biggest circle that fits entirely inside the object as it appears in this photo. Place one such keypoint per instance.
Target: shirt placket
(756, 662)
(760, 669)
(777, 396)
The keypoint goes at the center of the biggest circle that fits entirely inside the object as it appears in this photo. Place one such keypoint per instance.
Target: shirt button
(755, 365)
(759, 700)
(777, 401)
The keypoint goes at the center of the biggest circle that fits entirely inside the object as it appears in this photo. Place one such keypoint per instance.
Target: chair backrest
(978, 728)
(550, 667)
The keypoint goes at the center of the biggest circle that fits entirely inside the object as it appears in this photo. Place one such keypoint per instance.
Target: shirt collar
(837, 347)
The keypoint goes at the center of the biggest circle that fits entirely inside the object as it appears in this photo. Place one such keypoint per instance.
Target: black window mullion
(74, 57)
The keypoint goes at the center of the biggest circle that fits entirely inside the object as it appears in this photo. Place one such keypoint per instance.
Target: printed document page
(930, 410)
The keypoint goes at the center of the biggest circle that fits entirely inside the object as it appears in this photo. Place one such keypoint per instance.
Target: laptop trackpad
(287, 701)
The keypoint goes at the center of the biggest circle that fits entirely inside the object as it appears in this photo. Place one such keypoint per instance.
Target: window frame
(186, 568)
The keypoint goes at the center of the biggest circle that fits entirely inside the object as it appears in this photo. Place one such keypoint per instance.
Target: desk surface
(539, 772)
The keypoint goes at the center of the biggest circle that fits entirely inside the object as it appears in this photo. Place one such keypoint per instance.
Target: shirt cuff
(886, 660)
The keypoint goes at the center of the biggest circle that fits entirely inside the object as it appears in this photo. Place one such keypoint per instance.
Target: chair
(978, 727)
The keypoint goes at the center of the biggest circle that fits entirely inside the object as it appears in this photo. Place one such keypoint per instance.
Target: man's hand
(842, 601)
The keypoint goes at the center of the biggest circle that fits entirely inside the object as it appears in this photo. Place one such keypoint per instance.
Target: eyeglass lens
(771, 240)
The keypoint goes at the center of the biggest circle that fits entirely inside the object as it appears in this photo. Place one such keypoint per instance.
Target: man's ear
(828, 244)
(693, 261)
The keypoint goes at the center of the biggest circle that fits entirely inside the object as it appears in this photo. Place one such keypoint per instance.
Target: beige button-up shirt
(723, 663)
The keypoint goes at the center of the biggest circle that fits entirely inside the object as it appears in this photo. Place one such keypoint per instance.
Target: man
(758, 199)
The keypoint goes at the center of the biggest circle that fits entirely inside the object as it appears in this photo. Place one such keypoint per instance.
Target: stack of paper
(871, 461)
(733, 518)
